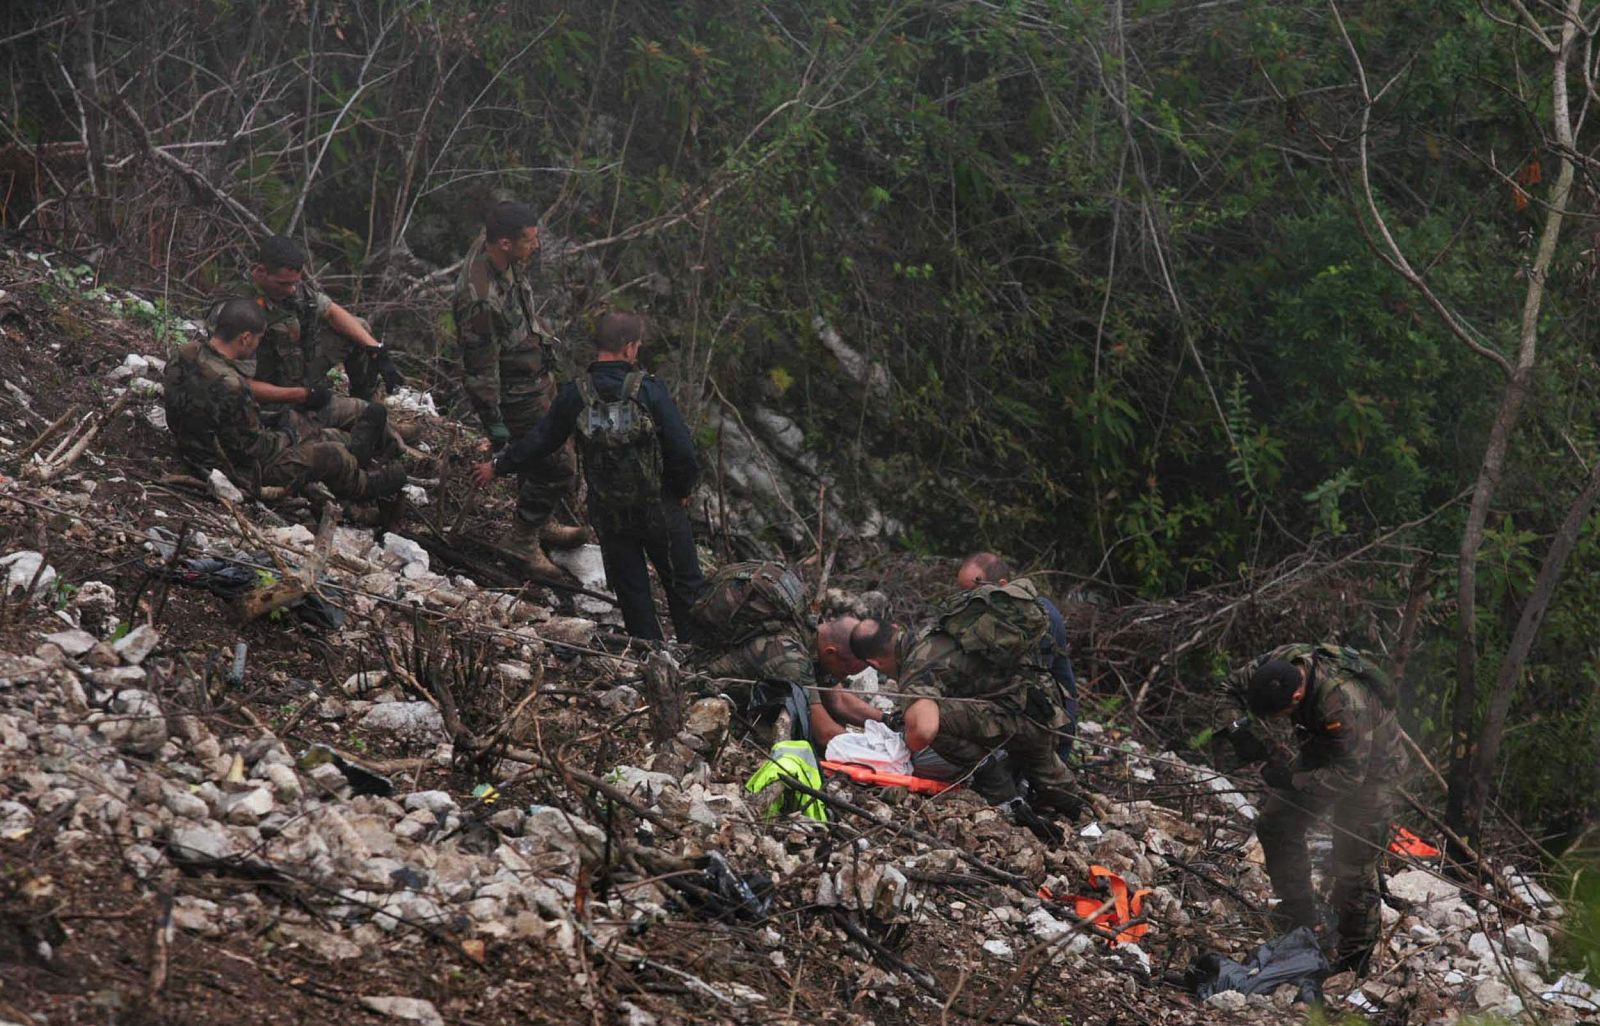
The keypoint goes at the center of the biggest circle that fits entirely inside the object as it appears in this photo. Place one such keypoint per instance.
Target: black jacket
(679, 467)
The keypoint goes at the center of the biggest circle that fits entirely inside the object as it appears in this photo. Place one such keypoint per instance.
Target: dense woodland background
(1291, 303)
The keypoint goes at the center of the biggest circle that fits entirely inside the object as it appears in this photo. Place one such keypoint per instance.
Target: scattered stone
(707, 722)
(1420, 887)
(436, 802)
(204, 841)
(136, 724)
(997, 947)
(405, 1008)
(1227, 1001)
(72, 643)
(1524, 941)
(27, 569)
(332, 947)
(417, 720)
(405, 551)
(138, 643)
(16, 821)
(223, 488)
(95, 603)
(620, 699)
(247, 807)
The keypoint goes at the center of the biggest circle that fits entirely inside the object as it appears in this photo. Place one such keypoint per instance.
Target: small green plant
(357, 744)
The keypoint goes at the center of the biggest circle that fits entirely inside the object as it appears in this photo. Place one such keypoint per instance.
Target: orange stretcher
(867, 775)
(1407, 843)
(1126, 905)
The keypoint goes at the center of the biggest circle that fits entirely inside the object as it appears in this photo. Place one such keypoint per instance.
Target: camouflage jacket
(211, 414)
(504, 354)
(933, 665)
(783, 655)
(1347, 733)
(286, 355)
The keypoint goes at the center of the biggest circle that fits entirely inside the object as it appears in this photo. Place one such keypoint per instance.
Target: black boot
(380, 484)
(367, 435)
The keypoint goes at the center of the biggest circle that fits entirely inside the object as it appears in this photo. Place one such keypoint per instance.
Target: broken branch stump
(662, 691)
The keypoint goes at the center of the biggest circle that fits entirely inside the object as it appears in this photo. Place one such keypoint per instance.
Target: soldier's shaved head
(237, 316)
(833, 647)
(617, 331)
(983, 568)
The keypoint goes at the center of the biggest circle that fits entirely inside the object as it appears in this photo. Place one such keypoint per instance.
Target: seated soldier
(290, 370)
(965, 708)
(752, 630)
(215, 419)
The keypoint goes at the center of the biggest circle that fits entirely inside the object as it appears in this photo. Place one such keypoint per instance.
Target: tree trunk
(665, 697)
(1561, 546)
(1463, 807)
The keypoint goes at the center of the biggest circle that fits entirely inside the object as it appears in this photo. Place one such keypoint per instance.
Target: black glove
(392, 378)
(1278, 775)
(317, 396)
(895, 721)
(1023, 815)
(1247, 744)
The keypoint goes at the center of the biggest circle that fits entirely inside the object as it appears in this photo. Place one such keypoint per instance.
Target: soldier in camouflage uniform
(217, 423)
(1349, 758)
(964, 709)
(509, 374)
(785, 654)
(295, 355)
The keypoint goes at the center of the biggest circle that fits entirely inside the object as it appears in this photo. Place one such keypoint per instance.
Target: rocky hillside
(455, 806)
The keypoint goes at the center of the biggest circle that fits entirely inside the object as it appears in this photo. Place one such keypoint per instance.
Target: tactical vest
(1002, 624)
(1358, 667)
(621, 455)
(743, 600)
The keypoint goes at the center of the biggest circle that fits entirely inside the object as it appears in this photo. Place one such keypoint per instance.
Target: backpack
(1002, 624)
(1362, 668)
(742, 600)
(621, 454)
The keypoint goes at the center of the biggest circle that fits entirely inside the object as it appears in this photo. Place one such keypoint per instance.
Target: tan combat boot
(521, 542)
(563, 536)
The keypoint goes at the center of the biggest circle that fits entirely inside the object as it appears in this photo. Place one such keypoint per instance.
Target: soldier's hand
(392, 378)
(317, 397)
(1278, 775)
(895, 721)
(482, 473)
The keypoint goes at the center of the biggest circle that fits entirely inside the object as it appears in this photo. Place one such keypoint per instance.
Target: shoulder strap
(586, 389)
(631, 384)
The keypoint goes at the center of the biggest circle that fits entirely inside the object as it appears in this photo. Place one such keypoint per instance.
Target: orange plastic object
(1126, 904)
(866, 775)
(1407, 843)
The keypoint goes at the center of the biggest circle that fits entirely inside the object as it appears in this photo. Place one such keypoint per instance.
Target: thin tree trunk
(1494, 721)
(1463, 806)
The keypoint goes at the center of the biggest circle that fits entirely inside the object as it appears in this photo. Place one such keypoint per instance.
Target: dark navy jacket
(679, 467)
(1060, 660)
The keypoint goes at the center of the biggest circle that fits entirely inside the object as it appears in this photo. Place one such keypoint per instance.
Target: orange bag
(1126, 905)
(864, 775)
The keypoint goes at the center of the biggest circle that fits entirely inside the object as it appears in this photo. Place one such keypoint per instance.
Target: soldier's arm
(1347, 722)
(263, 392)
(922, 723)
(848, 708)
(480, 362)
(544, 437)
(680, 466)
(347, 324)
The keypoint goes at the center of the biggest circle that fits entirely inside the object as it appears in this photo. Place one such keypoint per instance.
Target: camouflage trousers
(322, 456)
(1360, 834)
(969, 731)
(542, 487)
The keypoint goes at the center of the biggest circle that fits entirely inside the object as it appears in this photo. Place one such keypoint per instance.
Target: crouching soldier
(751, 626)
(970, 685)
(215, 419)
(1342, 707)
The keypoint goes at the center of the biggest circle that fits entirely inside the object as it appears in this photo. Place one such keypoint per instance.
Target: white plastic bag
(879, 748)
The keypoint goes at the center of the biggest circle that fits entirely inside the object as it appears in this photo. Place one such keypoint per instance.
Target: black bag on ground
(1293, 960)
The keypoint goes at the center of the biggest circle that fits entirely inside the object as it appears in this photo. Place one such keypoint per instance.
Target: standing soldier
(295, 354)
(639, 461)
(510, 375)
(1343, 710)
